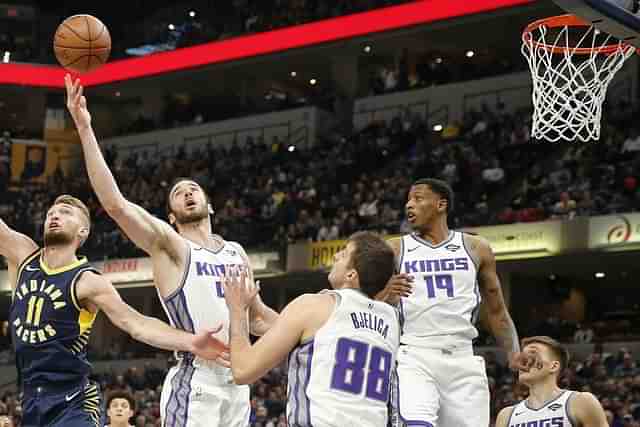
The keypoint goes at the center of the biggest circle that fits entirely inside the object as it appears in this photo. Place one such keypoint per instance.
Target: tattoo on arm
(505, 333)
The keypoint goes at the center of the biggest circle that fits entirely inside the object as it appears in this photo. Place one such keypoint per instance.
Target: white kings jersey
(554, 413)
(342, 376)
(443, 307)
(198, 303)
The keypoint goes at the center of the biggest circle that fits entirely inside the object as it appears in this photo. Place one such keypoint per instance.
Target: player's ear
(83, 233)
(442, 205)
(555, 366)
(172, 218)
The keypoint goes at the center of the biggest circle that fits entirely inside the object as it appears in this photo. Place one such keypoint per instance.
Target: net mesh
(571, 67)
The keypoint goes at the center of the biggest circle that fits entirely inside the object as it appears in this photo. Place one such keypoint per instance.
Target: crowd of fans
(613, 378)
(271, 194)
(584, 179)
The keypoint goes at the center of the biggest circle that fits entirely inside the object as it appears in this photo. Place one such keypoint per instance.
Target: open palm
(76, 103)
(207, 346)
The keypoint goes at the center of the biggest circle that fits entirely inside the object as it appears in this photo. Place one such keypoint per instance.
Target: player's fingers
(223, 362)
(215, 330)
(67, 82)
(79, 93)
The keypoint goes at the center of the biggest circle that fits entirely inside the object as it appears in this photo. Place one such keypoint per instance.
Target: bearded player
(188, 265)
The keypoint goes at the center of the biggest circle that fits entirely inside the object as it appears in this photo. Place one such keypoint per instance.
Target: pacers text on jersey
(28, 327)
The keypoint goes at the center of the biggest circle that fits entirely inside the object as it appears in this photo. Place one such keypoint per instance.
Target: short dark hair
(440, 187)
(559, 351)
(373, 259)
(121, 394)
(176, 182)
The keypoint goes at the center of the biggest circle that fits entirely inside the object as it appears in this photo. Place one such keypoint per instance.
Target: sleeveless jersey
(50, 330)
(554, 413)
(445, 299)
(198, 303)
(342, 376)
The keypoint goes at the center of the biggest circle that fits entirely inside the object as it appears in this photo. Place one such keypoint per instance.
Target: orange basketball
(82, 43)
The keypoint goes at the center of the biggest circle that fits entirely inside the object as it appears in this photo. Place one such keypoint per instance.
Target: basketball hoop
(571, 67)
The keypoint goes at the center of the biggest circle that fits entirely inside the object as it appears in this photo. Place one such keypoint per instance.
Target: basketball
(82, 43)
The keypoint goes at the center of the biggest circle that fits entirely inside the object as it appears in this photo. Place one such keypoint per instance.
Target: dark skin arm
(500, 322)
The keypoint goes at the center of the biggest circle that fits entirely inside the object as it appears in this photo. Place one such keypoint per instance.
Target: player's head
(429, 199)
(120, 408)
(67, 222)
(552, 358)
(366, 262)
(187, 202)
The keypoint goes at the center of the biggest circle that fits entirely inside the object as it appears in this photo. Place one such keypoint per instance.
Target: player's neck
(198, 232)
(56, 257)
(436, 233)
(542, 393)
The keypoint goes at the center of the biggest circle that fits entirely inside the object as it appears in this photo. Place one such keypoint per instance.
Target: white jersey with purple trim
(554, 413)
(342, 376)
(198, 392)
(445, 299)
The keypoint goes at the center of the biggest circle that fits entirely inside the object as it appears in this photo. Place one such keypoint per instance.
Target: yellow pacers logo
(38, 295)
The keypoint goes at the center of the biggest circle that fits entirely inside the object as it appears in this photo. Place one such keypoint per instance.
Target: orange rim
(565, 21)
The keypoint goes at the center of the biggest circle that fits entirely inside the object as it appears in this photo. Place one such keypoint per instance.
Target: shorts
(440, 388)
(78, 406)
(192, 397)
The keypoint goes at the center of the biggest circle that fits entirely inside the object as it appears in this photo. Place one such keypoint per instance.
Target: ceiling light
(470, 54)
(600, 275)
(437, 128)
(312, 82)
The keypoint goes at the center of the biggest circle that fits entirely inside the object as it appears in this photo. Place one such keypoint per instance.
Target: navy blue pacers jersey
(50, 330)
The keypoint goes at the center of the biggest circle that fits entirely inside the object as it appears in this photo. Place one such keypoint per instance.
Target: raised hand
(77, 103)
(239, 290)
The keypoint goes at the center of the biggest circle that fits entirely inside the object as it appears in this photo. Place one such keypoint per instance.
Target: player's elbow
(115, 207)
(241, 376)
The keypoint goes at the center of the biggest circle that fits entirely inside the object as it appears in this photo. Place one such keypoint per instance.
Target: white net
(571, 66)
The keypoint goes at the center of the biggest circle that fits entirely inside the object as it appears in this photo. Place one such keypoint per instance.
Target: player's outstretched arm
(15, 246)
(499, 319)
(400, 285)
(251, 362)
(503, 417)
(587, 410)
(145, 230)
(96, 292)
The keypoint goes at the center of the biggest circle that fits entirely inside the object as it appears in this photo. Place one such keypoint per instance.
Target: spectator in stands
(583, 334)
(627, 367)
(121, 407)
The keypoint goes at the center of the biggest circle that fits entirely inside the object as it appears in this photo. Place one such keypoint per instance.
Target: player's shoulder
(502, 420)
(582, 402)
(474, 241)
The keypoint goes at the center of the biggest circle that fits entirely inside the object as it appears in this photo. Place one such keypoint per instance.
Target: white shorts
(440, 388)
(192, 397)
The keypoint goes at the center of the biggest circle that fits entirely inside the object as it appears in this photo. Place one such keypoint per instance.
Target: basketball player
(121, 407)
(342, 343)
(548, 405)
(188, 265)
(441, 382)
(56, 297)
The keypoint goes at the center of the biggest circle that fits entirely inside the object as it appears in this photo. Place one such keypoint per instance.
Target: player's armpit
(251, 362)
(15, 246)
(502, 419)
(587, 410)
